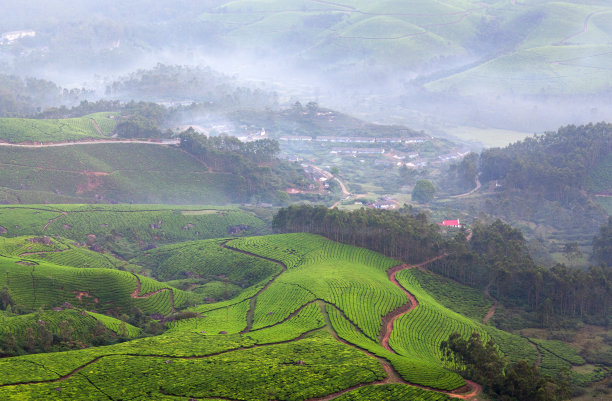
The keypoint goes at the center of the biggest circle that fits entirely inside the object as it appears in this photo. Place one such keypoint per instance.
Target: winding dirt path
(535, 346)
(253, 299)
(389, 319)
(87, 142)
(491, 312)
(585, 28)
(478, 185)
(471, 389)
(136, 293)
(53, 219)
(96, 126)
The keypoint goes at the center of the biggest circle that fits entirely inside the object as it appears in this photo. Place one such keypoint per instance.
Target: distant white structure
(10, 37)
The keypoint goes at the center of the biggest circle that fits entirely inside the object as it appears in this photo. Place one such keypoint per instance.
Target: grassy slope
(349, 283)
(34, 285)
(16, 130)
(548, 50)
(119, 172)
(132, 222)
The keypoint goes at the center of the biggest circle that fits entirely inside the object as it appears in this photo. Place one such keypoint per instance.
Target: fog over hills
(526, 66)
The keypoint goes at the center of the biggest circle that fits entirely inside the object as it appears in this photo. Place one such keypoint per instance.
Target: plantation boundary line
(96, 359)
(97, 127)
(251, 312)
(476, 388)
(291, 316)
(391, 317)
(392, 375)
(96, 387)
(493, 307)
(53, 220)
(537, 348)
(136, 292)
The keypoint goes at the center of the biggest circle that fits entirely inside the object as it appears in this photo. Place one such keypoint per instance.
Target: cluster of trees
(196, 84)
(38, 338)
(423, 191)
(520, 381)
(24, 97)
(602, 244)
(497, 256)
(555, 165)
(397, 234)
(264, 176)
(136, 119)
(460, 177)
(226, 152)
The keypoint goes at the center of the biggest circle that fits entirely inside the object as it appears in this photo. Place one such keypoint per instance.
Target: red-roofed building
(451, 223)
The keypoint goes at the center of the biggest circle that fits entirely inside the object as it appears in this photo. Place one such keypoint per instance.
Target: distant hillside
(93, 126)
(547, 186)
(140, 173)
(124, 229)
(525, 47)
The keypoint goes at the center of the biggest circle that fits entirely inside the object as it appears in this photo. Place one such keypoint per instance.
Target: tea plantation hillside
(311, 318)
(144, 173)
(92, 126)
(461, 47)
(125, 229)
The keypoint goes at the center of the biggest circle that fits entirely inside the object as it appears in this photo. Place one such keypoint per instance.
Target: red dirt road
(471, 389)
(390, 318)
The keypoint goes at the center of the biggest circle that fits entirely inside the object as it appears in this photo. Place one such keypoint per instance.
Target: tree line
(402, 235)
(497, 257)
(519, 381)
(264, 175)
(556, 164)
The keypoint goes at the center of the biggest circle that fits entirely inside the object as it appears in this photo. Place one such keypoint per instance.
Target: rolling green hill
(530, 48)
(122, 229)
(92, 126)
(118, 172)
(275, 333)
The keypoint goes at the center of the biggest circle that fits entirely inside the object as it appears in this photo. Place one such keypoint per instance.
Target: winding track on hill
(491, 311)
(469, 391)
(478, 185)
(392, 375)
(136, 293)
(253, 299)
(87, 142)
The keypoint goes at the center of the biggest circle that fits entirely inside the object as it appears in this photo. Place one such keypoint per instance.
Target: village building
(389, 140)
(417, 139)
(299, 138)
(451, 223)
(358, 151)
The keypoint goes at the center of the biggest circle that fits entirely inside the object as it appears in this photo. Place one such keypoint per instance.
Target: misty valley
(306, 200)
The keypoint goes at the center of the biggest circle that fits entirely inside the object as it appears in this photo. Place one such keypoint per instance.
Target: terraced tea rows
(159, 223)
(206, 260)
(78, 323)
(16, 130)
(274, 334)
(47, 285)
